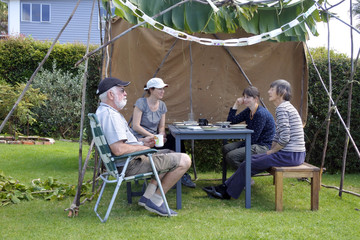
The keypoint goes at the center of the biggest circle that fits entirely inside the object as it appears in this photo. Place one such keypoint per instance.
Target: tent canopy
(256, 17)
(216, 81)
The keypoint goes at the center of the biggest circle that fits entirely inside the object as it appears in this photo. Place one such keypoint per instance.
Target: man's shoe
(186, 181)
(211, 191)
(142, 201)
(150, 206)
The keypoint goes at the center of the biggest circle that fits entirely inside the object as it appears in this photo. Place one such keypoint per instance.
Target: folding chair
(111, 163)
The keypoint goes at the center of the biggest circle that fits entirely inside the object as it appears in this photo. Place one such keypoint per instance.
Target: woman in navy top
(258, 119)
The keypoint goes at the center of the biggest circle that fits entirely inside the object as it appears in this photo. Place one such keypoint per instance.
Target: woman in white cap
(149, 112)
(149, 117)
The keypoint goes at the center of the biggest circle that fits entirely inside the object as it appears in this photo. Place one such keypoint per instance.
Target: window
(35, 12)
(45, 13)
(25, 16)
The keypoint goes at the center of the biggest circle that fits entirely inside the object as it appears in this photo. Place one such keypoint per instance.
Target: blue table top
(219, 131)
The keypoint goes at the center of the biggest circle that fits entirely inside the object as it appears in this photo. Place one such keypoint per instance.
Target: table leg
(193, 158)
(178, 184)
(223, 163)
(248, 172)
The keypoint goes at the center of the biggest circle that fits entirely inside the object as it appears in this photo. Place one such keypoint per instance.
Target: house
(43, 20)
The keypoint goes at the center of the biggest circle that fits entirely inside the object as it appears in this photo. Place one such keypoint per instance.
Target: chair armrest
(142, 152)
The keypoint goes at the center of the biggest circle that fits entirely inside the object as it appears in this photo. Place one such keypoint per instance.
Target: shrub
(207, 153)
(24, 114)
(61, 112)
(20, 56)
(318, 107)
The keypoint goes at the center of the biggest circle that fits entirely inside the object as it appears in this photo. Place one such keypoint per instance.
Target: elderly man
(112, 94)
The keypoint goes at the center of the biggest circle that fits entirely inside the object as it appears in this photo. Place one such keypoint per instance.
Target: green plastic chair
(112, 163)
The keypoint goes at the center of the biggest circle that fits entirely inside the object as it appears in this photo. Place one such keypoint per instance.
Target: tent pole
(346, 143)
(191, 116)
(239, 67)
(166, 56)
(101, 37)
(38, 68)
(108, 70)
(74, 207)
(82, 172)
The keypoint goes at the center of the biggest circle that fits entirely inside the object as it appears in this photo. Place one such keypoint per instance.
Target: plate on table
(177, 123)
(194, 127)
(236, 126)
(223, 123)
(181, 125)
(191, 123)
(210, 128)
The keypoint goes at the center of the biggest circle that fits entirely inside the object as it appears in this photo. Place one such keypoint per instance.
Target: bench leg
(315, 188)
(278, 191)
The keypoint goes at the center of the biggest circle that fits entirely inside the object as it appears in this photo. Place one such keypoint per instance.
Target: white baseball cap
(155, 83)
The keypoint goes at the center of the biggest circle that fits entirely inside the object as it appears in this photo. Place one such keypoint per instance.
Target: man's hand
(148, 141)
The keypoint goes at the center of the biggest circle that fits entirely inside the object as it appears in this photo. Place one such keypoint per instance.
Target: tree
(23, 114)
(3, 18)
(356, 11)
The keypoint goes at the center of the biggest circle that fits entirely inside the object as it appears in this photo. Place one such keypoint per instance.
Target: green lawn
(200, 217)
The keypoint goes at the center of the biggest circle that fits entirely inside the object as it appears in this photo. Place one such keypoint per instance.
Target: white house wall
(14, 17)
(60, 10)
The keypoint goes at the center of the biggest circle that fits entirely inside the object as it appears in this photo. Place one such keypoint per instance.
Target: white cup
(159, 140)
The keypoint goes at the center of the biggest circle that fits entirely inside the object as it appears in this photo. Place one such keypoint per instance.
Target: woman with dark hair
(258, 119)
(287, 149)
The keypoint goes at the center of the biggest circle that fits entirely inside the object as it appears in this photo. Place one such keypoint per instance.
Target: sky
(339, 32)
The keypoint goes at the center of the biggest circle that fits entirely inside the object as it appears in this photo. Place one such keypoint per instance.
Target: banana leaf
(194, 17)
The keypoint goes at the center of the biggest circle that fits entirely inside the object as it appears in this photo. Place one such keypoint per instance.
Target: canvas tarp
(216, 80)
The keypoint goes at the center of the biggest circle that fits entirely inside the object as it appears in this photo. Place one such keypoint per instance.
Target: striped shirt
(289, 129)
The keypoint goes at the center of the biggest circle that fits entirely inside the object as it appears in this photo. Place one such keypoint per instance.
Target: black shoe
(211, 191)
(186, 181)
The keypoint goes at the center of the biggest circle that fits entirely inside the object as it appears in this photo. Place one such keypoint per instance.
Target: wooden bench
(305, 170)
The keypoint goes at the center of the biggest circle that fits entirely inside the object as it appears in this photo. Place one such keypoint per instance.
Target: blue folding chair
(111, 163)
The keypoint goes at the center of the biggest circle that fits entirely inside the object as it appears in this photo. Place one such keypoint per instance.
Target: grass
(200, 217)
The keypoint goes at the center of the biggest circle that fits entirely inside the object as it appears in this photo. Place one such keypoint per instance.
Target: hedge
(318, 107)
(20, 56)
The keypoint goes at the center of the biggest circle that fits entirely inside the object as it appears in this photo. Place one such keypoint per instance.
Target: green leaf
(28, 196)
(197, 16)
(14, 199)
